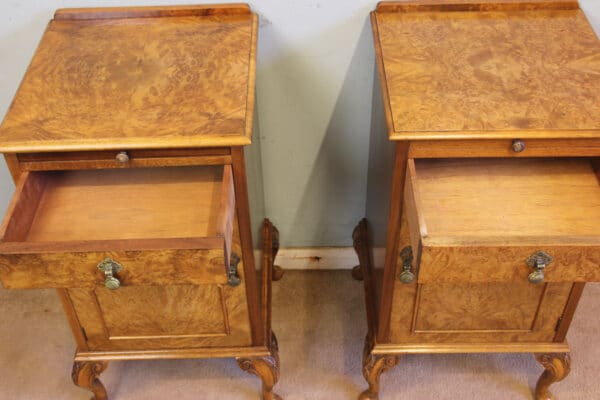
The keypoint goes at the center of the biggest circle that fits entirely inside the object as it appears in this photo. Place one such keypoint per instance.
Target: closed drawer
(134, 158)
(505, 148)
(164, 226)
(480, 220)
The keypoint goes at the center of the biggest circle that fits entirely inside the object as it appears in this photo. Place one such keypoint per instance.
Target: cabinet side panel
(255, 184)
(381, 165)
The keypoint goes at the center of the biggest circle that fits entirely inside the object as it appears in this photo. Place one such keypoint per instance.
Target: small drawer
(500, 220)
(510, 148)
(134, 158)
(162, 226)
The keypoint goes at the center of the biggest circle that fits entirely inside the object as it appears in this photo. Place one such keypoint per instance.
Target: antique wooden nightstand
(485, 191)
(129, 143)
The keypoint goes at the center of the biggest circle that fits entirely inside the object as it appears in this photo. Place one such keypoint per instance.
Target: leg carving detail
(556, 368)
(373, 366)
(86, 375)
(266, 368)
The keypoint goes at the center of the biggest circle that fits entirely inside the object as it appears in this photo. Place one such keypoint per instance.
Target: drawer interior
(507, 200)
(121, 205)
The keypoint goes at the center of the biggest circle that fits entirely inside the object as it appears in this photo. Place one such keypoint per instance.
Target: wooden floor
(320, 322)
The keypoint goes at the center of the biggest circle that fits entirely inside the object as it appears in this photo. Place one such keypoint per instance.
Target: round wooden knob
(518, 145)
(122, 157)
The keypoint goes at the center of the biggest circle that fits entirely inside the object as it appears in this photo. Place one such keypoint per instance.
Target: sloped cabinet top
(144, 77)
(487, 69)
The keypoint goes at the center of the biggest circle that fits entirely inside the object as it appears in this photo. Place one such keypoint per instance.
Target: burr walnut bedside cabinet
(129, 144)
(483, 181)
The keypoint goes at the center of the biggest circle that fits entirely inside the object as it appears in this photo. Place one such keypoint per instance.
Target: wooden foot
(86, 375)
(373, 366)
(357, 273)
(267, 369)
(556, 368)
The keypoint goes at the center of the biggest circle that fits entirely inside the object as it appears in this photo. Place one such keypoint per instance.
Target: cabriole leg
(266, 368)
(86, 375)
(373, 366)
(556, 368)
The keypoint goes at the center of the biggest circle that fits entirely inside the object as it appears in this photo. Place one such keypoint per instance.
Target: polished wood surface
(128, 79)
(496, 213)
(192, 10)
(503, 148)
(125, 141)
(482, 199)
(492, 109)
(86, 375)
(266, 367)
(526, 75)
(182, 217)
(76, 160)
(131, 204)
(475, 5)
(556, 368)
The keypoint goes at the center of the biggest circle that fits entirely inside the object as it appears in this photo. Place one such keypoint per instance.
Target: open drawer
(150, 226)
(503, 220)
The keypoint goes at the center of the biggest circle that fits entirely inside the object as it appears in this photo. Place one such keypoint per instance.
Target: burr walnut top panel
(488, 69)
(113, 79)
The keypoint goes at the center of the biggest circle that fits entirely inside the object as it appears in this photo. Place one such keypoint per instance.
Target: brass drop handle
(518, 145)
(110, 267)
(233, 277)
(407, 276)
(538, 261)
(122, 157)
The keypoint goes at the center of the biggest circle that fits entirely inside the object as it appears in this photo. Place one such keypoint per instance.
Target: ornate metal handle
(110, 267)
(233, 278)
(406, 276)
(538, 262)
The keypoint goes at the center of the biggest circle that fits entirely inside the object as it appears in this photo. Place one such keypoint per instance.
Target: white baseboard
(319, 258)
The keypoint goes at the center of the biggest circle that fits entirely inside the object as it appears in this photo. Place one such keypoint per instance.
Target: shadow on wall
(337, 183)
(315, 150)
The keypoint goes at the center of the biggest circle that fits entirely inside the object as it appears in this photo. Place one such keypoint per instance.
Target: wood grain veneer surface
(489, 74)
(136, 83)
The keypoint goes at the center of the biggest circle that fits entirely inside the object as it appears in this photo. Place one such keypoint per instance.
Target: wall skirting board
(319, 258)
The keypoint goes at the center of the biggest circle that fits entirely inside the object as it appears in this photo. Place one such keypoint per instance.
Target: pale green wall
(314, 84)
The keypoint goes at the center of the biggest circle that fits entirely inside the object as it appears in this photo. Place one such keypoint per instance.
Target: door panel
(162, 317)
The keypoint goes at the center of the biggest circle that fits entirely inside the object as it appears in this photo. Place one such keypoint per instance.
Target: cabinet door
(162, 317)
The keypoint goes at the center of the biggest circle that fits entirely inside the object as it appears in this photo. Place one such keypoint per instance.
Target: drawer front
(503, 220)
(162, 226)
(455, 264)
(80, 270)
(505, 148)
(123, 159)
